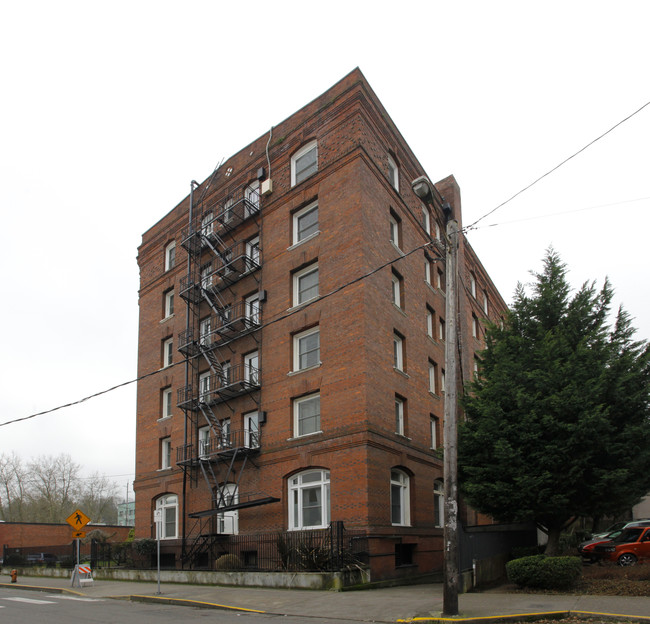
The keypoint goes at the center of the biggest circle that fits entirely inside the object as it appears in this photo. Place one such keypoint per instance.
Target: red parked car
(632, 545)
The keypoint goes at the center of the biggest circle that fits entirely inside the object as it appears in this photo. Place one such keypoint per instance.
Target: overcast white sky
(108, 110)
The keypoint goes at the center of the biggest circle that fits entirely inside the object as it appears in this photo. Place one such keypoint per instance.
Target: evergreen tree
(557, 421)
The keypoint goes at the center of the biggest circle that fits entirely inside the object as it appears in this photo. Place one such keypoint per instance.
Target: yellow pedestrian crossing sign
(78, 520)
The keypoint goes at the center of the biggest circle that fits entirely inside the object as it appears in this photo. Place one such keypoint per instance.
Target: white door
(251, 368)
(251, 430)
(228, 521)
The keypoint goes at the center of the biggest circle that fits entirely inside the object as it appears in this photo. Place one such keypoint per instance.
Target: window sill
(297, 306)
(400, 309)
(401, 372)
(163, 419)
(169, 468)
(304, 240)
(397, 248)
(306, 435)
(401, 435)
(304, 370)
(167, 318)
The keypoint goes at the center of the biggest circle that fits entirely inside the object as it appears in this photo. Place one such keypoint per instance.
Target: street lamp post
(425, 190)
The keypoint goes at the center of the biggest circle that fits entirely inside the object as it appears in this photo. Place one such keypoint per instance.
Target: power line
(566, 160)
(264, 325)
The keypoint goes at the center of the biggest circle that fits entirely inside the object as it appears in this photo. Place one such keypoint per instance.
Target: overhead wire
(566, 160)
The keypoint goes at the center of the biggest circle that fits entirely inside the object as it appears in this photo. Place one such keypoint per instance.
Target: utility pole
(450, 467)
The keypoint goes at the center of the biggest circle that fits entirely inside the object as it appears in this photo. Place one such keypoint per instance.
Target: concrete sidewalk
(409, 603)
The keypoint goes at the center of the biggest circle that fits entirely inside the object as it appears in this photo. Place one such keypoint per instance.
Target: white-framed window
(399, 415)
(474, 326)
(393, 173)
(224, 375)
(204, 442)
(205, 332)
(443, 380)
(440, 280)
(305, 223)
(252, 430)
(305, 284)
(485, 303)
(437, 229)
(168, 299)
(430, 320)
(433, 374)
(426, 220)
(252, 197)
(228, 521)
(472, 284)
(207, 224)
(439, 503)
(252, 368)
(168, 506)
(224, 441)
(306, 349)
(433, 424)
(309, 500)
(400, 512)
(170, 256)
(252, 308)
(227, 209)
(475, 368)
(204, 386)
(441, 328)
(394, 230)
(253, 250)
(304, 163)
(397, 290)
(168, 352)
(167, 404)
(306, 415)
(206, 275)
(427, 270)
(398, 351)
(165, 453)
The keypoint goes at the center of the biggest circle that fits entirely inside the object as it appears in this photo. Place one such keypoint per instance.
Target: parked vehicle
(632, 545)
(587, 549)
(46, 559)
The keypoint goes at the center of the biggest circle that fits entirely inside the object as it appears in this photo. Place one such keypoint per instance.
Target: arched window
(168, 505)
(309, 500)
(400, 506)
(438, 503)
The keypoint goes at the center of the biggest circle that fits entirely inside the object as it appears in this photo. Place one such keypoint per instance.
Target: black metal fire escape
(217, 260)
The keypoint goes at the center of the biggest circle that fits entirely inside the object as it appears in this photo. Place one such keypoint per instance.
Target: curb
(528, 617)
(182, 602)
(51, 590)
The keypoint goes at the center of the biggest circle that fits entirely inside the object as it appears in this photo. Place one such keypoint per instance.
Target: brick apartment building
(293, 306)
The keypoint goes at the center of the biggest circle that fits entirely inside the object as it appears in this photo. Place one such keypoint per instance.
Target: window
(475, 366)
(430, 318)
(472, 284)
(393, 173)
(224, 442)
(168, 506)
(165, 453)
(204, 442)
(252, 199)
(206, 275)
(305, 284)
(167, 404)
(397, 290)
(433, 423)
(304, 163)
(440, 280)
(438, 235)
(399, 415)
(224, 375)
(426, 220)
(306, 349)
(252, 309)
(485, 303)
(474, 326)
(442, 380)
(395, 227)
(305, 223)
(227, 209)
(252, 430)
(433, 374)
(253, 252)
(309, 500)
(400, 513)
(205, 332)
(207, 224)
(441, 329)
(204, 387)
(170, 256)
(168, 352)
(252, 368)
(168, 299)
(438, 503)
(306, 415)
(427, 270)
(398, 351)
(228, 521)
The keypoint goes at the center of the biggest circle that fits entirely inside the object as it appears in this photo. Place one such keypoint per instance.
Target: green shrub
(544, 572)
(228, 562)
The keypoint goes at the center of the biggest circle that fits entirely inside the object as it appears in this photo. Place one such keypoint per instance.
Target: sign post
(157, 517)
(78, 520)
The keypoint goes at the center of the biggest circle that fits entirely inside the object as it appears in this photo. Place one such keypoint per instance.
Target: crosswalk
(46, 600)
